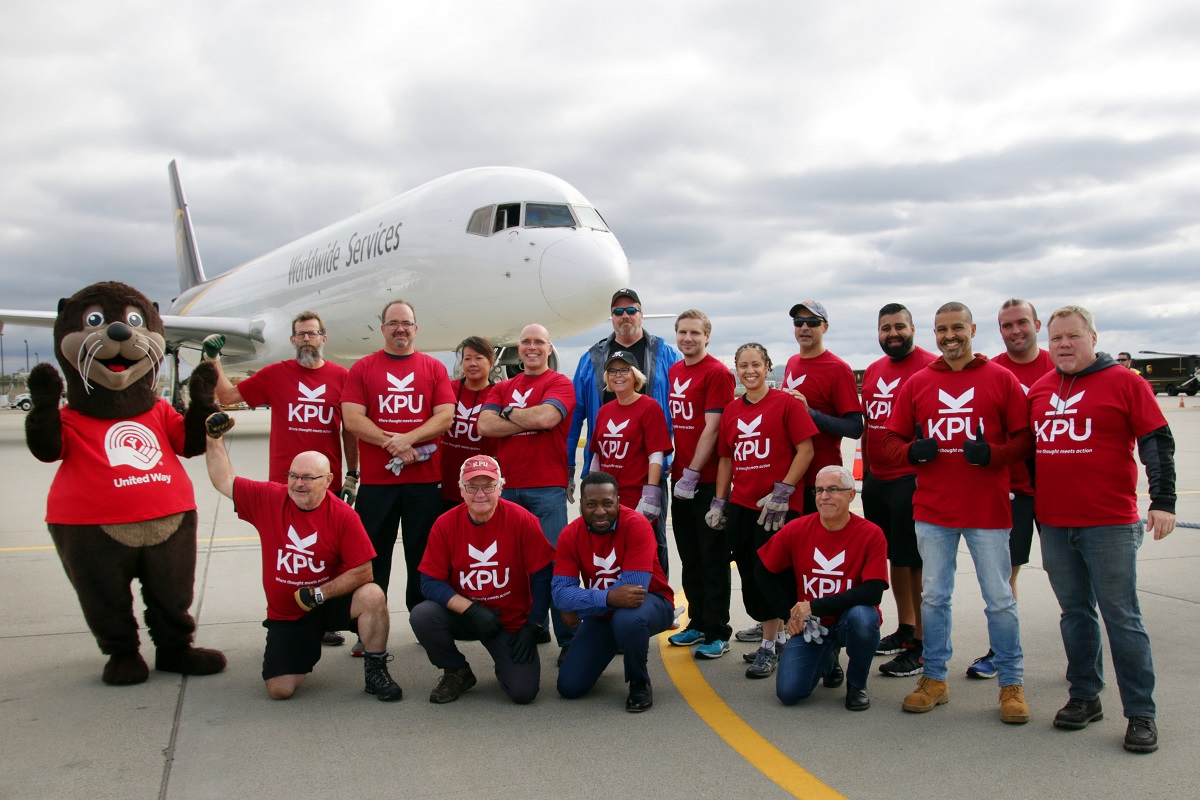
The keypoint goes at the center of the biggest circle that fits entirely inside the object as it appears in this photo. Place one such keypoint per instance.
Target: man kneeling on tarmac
(840, 565)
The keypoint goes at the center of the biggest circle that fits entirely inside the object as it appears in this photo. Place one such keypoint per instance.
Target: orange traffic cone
(858, 471)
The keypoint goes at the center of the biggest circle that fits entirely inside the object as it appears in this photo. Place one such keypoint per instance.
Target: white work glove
(814, 631)
(350, 489)
(775, 506)
(715, 518)
(651, 503)
(396, 465)
(685, 487)
(571, 487)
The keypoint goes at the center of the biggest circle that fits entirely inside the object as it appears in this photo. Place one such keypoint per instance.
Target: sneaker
(686, 637)
(909, 662)
(753, 634)
(1078, 713)
(333, 639)
(1142, 735)
(983, 667)
(357, 650)
(452, 684)
(714, 649)
(764, 664)
(892, 643)
(836, 675)
(1013, 708)
(929, 693)
(378, 681)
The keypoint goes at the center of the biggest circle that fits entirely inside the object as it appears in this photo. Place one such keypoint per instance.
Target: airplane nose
(579, 273)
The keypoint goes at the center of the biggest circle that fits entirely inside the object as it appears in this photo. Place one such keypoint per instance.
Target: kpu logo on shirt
(751, 444)
(828, 576)
(519, 399)
(679, 408)
(401, 396)
(881, 406)
(482, 572)
(131, 444)
(297, 554)
(612, 441)
(1062, 421)
(606, 573)
(791, 383)
(464, 422)
(949, 424)
(310, 406)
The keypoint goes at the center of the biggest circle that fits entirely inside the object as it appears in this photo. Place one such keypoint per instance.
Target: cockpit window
(508, 216)
(481, 221)
(548, 215)
(590, 218)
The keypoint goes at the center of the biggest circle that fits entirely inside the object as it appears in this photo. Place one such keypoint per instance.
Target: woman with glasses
(630, 439)
(765, 445)
(476, 358)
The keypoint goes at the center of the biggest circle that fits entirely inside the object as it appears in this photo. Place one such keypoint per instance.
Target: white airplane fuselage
(417, 247)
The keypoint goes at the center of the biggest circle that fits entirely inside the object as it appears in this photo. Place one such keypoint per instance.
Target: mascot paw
(189, 660)
(45, 386)
(124, 669)
(203, 382)
(217, 425)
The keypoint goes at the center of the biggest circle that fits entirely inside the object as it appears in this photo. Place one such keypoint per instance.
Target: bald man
(316, 568)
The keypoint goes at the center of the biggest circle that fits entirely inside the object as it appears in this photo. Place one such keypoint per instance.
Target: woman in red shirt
(476, 357)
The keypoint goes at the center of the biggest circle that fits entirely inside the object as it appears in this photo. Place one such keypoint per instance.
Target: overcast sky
(746, 155)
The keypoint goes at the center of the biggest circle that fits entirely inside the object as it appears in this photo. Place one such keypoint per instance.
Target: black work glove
(523, 644)
(484, 620)
(922, 450)
(977, 451)
(217, 425)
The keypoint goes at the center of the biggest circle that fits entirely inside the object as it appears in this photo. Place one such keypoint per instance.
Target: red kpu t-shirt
(828, 384)
(761, 440)
(400, 394)
(623, 439)
(828, 562)
(463, 440)
(1027, 376)
(490, 563)
(120, 471)
(880, 386)
(702, 388)
(599, 559)
(306, 413)
(533, 459)
(299, 548)
(1086, 427)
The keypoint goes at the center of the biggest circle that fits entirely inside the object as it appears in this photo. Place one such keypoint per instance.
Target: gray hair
(846, 476)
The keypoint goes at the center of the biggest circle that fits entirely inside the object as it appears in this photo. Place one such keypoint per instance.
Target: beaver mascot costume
(121, 505)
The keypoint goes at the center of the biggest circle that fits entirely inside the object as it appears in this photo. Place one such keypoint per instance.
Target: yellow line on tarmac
(51, 547)
(764, 756)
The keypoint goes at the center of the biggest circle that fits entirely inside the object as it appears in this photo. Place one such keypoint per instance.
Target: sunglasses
(630, 310)
(812, 322)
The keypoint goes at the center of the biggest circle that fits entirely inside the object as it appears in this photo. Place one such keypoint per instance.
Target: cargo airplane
(484, 251)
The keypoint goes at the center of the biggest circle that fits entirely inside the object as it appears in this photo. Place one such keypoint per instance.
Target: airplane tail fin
(191, 272)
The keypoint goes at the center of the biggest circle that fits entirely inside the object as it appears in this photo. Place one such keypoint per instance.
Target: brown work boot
(929, 693)
(452, 684)
(1013, 707)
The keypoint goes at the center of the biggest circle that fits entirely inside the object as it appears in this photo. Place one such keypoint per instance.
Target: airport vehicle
(1173, 373)
(483, 251)
(21, 401)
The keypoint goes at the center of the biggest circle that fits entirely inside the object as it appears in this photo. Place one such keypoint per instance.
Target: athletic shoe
(686, 637)
(714, 649)
(892, 643)
(378, 681)
(983, 668)
(452, 684)
(1141, 736)
(333, 639)
(909, 662)
(764, 664)
(357, 650)
(753, 634)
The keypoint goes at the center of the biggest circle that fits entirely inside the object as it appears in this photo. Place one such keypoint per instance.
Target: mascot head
(109, 342)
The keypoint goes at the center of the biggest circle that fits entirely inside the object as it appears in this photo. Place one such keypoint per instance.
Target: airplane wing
(29, 319)
(241, 334)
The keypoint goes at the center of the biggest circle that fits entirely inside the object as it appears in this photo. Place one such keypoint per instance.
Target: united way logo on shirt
(828, 576)
(401, 396)
(607, 571)
(612, 440)
(483, 571)
(751, 444)
(1063, 420)
(881, 406)
(310, 406)
(680, 409)
(298, 554)
(954, 417)
(130, 444)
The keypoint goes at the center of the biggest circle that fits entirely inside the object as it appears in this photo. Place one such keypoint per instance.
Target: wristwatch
(351, 473)
(506, 412)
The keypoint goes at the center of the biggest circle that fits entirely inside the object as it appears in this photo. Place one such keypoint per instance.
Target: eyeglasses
(615, 371)
(391, 326)
(812, 322)
(630, 310)
(307, 334)
(474, 488)
(831, 490)
(291, 476)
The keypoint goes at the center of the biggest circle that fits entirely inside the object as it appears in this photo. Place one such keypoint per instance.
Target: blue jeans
(993, 567)
(802, 664)
(1098, 566)
(549, 505)
(597, 641)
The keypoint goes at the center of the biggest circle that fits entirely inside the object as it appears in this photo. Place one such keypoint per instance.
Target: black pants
(407, 508)
(705, 556)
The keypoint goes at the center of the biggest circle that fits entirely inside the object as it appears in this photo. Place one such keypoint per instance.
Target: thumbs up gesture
(977, 450)
(922, 450)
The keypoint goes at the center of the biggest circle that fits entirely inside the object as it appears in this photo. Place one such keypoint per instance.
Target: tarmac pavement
(65, 734)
